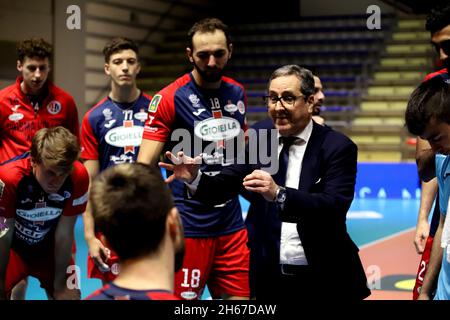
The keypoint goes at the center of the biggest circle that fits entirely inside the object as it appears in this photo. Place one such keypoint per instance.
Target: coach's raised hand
(183, 168)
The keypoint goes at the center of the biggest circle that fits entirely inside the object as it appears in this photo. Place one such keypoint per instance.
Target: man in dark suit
(297, 233)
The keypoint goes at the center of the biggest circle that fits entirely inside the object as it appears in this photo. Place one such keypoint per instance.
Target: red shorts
(221, 262)
(43, 269)
(112, 262)
(423, 266)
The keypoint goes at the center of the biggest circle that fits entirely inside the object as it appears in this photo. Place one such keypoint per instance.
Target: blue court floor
(368, 220)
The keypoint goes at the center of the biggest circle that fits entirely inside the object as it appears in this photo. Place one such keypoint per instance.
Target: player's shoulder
(443, 73)
(232, 82)
(7, 90)
(172, 88)
(79, 173)
(13, 171)
(146, 96)
(97, 109)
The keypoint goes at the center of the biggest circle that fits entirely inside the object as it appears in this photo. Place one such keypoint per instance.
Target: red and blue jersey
(114, 292)
(36, 212)
(443, 73)
(207, 122)
(111, 132)
(20, 119)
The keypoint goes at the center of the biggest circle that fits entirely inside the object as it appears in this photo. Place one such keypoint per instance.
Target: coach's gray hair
(304, 75)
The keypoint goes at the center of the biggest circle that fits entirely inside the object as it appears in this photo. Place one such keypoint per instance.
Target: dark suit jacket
(319, 208)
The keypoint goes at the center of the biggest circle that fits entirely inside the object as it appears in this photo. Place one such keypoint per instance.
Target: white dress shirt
(291, 249)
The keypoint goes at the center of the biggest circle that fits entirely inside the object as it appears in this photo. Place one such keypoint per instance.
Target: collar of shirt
(303, 135)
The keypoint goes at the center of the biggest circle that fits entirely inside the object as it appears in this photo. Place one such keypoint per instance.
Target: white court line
(387, 238)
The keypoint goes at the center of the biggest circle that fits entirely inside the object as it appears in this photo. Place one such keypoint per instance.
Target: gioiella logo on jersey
(213, 129)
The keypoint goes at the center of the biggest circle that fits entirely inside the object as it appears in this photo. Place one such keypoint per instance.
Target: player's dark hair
(33, 48)
(430, 100)
(118, 44)
(130, 204)
(438, 18)
(208, 25)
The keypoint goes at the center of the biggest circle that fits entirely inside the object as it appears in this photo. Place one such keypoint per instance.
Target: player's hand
(184, 168)
(420, 238)
(67, 294)
(261, 182)
(99, 254)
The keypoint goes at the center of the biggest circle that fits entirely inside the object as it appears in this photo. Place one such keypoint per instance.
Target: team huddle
(165, 238)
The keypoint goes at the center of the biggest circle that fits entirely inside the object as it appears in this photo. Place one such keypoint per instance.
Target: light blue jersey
(443, 176)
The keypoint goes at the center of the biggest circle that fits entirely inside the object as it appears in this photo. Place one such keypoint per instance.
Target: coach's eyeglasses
(445, 45)
(288, 100)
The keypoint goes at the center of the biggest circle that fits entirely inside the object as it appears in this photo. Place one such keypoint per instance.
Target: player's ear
(19, 66)
(175, 226)
(106, 68)
(189, 54)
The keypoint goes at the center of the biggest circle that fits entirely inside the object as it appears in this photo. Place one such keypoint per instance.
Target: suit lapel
(311, 157)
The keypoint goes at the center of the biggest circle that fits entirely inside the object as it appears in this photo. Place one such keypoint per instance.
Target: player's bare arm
(97, 250)
(150, 151)
(63, 250)
(429, 190)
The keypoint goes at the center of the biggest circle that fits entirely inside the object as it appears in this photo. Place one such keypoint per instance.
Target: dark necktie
(283, 160)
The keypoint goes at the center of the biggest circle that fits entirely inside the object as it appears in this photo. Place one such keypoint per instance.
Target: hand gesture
(261, 182)
(99, 254)
(184, 168)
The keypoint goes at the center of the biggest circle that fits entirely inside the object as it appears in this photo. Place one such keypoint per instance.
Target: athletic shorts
(42, 268)
(112, 262)
(423, 266)
(221, 262)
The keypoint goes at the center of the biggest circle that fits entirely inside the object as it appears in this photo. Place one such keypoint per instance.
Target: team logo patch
(54, 107)
(107, 113)
(230, 107)
(241, 107)
(55, 197)
(141, 116)
(115, 269)
(188, 295)
(194, 100)
(154, 103)
(16, 116)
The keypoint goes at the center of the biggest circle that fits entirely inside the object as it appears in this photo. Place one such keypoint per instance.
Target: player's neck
(124, 93)
(203, 84)
(146, 274)
(28, 91)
